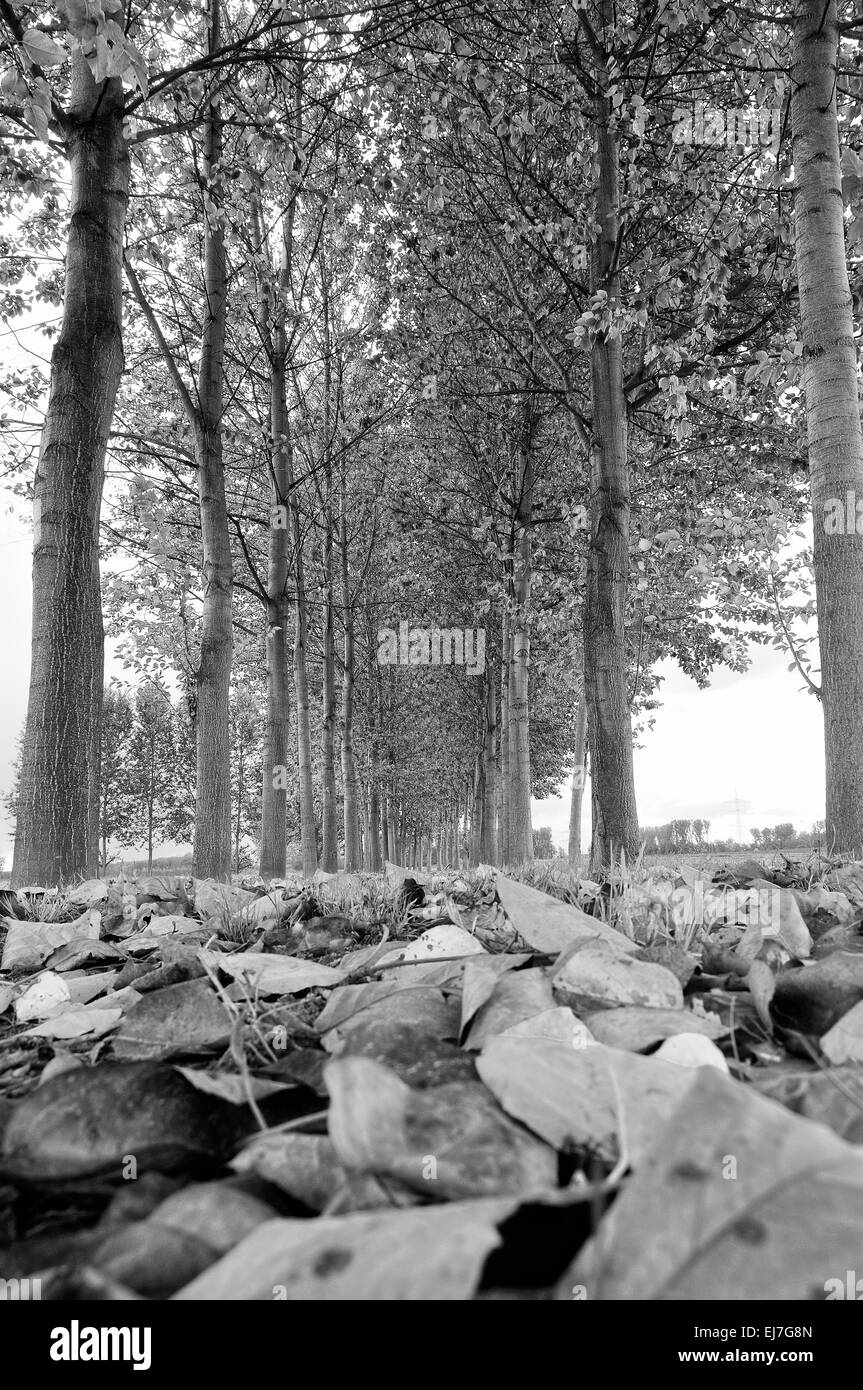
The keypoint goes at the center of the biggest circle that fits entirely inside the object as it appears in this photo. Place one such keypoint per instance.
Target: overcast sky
(756, 737)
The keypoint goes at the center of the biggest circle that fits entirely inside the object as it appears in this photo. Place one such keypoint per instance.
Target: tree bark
(615, 819)
(349, 772)
(832, 413)
(212, 845)
(329, 809)
(518, 814)
(488, 846)
(577, 787)
(57, 828)
(503, 748)
(374, 857)
(308, 834)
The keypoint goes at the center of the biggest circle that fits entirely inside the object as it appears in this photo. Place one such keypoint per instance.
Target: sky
(754, 738)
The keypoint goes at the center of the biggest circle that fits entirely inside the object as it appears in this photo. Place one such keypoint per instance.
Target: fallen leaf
(739, 1200)
(583, 1097)
(594, 974)
(810, 1000)
(427, 1009)
(481, 974)
(437, 943)
(549, 925)
(91, 1120)
(77, 1023)
(175, 1021)
(558, 1025)
(420, 1254)
(48, 994)
(635, 1029)
(28, 943)
(448, 1142)
(306, 1166)
(691, 1050)
(844, 1041)
(271, 974)
(229, 1086)
(514, 999)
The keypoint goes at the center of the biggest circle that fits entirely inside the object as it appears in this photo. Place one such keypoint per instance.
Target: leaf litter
(360, 1087)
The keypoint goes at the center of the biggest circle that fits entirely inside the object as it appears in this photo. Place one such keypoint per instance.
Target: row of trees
(693, 836)
(147, 774)
(421, 314)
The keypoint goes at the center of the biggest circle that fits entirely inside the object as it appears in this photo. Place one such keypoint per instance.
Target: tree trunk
(477, 802)
(241, 790)
(329, 810)
(615, 820)
(503, 748)
(308, 835)
(832, 413)
(56, 834)
(212, 847)
(577, 787)
(385, 837)
(274, 790)
(374, 858)
(519, 819)
(349, 772)
(488, 846)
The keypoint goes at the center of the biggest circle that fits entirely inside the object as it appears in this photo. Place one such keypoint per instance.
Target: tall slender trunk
(385, 824)
(374, 858)
(212, 846)
(488, 844)
(477, 802)
(519, 818)
(329, 809)
(308, 834)
(274, 792)
(392, 812)
(361, 820)
(503, 749)
(832, 413)
(577, 787)
(349, 772)
(274, 789)
(615, 818)
(241, 791)
(56, 834)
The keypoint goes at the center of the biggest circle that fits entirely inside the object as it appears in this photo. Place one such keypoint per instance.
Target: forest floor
(477, 1084)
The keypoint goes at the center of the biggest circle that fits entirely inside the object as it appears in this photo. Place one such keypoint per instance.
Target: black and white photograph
(431, 715)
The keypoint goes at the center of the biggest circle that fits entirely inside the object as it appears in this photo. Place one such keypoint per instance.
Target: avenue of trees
(498, 328)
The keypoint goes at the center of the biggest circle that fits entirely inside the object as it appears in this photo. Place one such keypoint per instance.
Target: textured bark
(391, 828)
(56, 834)
(577, 787)
(308, 832)
(476, 808)
(488, 839)
(615, 819)
(503, 745)
(212, 846)
(518, 811)
(832, 413)
(374, 855)
(276, 733)
(353, 857)
(329, 809)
